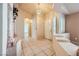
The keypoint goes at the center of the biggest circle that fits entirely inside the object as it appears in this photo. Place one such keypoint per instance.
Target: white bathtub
(64, 41)
(69, 47)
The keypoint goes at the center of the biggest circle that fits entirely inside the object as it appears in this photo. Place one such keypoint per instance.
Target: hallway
(33, 30)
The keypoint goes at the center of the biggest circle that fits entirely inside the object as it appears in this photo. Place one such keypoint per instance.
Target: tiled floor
(11, 51)
(38, 48)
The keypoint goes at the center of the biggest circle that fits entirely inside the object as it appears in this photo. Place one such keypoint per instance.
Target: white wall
(5, 18)
(1, 29)
(20, 26)
(4, 29)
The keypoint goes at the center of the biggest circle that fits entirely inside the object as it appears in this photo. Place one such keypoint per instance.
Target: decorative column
(34, 28)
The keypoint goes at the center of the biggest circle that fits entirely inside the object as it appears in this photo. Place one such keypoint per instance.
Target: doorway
(27, 29)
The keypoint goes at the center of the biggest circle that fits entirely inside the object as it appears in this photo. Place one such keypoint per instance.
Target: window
(54, 24)
(26, 30)
(61, 24)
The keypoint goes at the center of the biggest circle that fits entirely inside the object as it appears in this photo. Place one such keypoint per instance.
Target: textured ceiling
(32, 8)
(66, 8)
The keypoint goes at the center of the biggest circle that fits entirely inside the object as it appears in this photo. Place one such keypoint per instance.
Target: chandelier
(38, 11)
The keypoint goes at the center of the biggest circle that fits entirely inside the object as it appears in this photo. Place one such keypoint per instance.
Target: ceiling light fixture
(53, 5)
(38, 11)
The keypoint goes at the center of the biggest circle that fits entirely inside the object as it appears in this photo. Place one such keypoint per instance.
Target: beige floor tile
(48, 52)
(35, 51)
(28, 52)
(41, 54)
